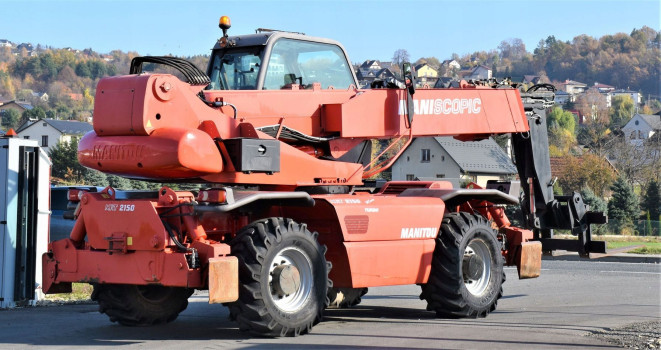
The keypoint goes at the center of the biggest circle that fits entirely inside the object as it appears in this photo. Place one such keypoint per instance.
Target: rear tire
(467, 268)
(340, 298)
(283, 277)
(133, 305)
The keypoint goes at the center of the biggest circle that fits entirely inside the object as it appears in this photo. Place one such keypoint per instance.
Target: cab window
(305, 63)
(235, 69)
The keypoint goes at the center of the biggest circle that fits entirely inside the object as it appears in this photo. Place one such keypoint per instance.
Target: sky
(367, 29)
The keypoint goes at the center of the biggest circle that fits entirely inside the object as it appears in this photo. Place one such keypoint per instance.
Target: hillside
(67, 76)
(626, 61)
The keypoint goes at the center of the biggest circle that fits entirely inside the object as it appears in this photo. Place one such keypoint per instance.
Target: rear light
(75, 195)
(212, 196)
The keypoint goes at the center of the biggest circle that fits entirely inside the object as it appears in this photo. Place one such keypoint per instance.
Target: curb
(621, 257)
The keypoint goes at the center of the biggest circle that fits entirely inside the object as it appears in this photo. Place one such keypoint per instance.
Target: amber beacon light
(224, 24)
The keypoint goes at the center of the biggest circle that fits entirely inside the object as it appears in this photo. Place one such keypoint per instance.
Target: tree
(561, 128)
(64, 157)
(597, 204)
(623, 206)
(639, 163)
(562, 118)
(432, 62)
(10, 118)
(400, 56)
(95, 178)
(590, 170)
(34, 113)
(593, 106)
(621, 111)
(652, 200)
(119, 183)
(596, 135)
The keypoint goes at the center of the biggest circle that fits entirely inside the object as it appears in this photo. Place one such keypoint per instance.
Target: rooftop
(483, 156)
(70, 127)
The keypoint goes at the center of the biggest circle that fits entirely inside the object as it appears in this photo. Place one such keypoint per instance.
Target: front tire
(134, 305)
(283, 278)
(467, 268)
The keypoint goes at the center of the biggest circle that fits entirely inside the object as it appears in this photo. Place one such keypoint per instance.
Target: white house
(635, 96)
(451, 64)
(641, 127)
(437, 158)
(371, 65)
(573, 87)
(481, 72)
(562, 97)
(48, 132)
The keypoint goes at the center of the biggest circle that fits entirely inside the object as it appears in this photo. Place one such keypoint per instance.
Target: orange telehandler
(279, 138)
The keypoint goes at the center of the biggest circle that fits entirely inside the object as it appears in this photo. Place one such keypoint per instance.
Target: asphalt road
(559, 310)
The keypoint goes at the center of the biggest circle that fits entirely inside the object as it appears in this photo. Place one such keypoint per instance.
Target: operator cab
(277, 60)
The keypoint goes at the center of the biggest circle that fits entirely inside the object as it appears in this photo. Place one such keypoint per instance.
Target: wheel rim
(298, 267)
(476, 267)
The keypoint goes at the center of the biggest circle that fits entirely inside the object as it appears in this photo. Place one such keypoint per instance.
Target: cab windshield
(304, 63)
(235, 69)
(290, 62)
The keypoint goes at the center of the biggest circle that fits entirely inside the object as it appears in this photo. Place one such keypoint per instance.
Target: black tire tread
(125, 305)
(251, 246)
(443, 289)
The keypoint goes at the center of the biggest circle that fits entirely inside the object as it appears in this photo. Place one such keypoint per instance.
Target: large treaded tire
(133, 305)
(447, 290)
(340, 298)
(269, 244)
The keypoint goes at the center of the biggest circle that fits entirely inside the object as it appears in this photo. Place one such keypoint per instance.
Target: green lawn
(79, 292)
(651, 244)
(648, 247)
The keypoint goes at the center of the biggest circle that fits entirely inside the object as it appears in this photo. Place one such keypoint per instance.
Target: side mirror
(408, 72)
(406, 69)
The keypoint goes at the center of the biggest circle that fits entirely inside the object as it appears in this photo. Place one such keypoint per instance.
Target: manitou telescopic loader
(278, 136)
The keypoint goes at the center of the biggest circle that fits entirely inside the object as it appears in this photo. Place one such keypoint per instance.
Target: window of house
(44, 141)
(26, 137)
(44, 124)
(410, 177)
(440, 176)
(426, 155)
(633, 135)
(640, 134)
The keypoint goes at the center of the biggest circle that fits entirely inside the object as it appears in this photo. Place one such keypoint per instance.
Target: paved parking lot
(559, 310)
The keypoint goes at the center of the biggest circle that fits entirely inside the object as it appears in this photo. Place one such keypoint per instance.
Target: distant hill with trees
(69, 78)
(626, 61)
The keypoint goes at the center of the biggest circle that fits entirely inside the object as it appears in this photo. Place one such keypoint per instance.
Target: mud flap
(223, 279)
(529, 262)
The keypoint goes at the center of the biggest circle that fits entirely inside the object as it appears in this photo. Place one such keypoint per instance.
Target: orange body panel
(165, 154)
(136, 220)
(389, 263)
(370, 218)
(170, 115)
(139, 267)
(375, 240)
